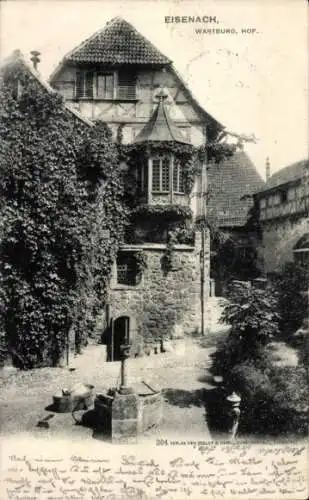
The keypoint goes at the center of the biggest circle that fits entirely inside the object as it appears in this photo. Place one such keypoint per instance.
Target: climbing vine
(141, 261)
(136, 155)
(167, 259)
(61, 193)
(175, 212)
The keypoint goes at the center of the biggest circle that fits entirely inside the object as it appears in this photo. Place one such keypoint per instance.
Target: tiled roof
(160, 127)
(288, 174)
(117, 43)
(232, 184)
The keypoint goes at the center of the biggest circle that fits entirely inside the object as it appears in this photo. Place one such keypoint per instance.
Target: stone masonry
(164, 304)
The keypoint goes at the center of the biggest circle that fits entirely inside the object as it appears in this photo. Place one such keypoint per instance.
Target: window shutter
(89, 84)
(78, 85)
(126, 85)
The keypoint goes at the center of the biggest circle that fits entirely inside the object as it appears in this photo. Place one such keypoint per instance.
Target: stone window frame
(114, 275)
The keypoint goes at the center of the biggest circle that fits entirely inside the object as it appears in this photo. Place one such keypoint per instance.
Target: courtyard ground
(181, 374)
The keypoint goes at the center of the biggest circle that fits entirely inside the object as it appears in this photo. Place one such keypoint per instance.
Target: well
(126, 416)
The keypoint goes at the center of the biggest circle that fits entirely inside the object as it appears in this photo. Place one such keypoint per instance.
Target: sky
(252, 83)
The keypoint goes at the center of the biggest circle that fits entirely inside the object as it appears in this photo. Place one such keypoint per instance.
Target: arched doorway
(120, 336)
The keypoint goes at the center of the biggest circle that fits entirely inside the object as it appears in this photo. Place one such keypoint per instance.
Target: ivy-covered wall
(61, 219)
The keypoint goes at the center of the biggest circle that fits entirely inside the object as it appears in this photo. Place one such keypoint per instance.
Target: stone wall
(279, 238)
(164, 304)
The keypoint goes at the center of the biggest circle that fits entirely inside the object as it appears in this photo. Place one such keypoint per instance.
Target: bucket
(63, 403)
(80, 397)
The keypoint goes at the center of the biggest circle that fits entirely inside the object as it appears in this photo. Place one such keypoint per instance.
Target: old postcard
(154, 257)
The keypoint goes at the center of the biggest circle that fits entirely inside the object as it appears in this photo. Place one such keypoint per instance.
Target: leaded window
(161, 174)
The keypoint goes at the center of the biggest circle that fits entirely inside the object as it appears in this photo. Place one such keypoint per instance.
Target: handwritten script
(196, 470)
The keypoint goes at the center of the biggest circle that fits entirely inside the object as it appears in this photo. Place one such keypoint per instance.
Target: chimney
(267, 168)
(35, 58)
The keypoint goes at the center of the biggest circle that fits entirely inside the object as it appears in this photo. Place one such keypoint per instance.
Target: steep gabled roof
(117, 43)
(291, 173)
(17, 58)
(161, 127)
(232, 184)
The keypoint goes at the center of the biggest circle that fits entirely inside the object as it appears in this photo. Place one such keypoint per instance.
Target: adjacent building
(284, 208)
(231, 186)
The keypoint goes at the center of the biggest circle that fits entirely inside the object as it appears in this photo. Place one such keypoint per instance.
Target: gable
(120, 45)
(117, 43)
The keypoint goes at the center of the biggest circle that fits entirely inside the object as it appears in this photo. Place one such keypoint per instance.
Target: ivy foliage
(174, 212)
(61, 219)
(141, 260)
(291, 283)
(137, 155)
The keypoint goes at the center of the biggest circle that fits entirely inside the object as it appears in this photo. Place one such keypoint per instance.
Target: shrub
(251, 312)
(292, 302)
(274, 400)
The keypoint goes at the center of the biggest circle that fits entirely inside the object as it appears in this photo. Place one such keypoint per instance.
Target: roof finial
(35, 58)
(267, 168)
(162, 95)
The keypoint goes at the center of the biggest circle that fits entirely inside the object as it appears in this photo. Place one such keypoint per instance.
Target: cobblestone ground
(182, 374)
